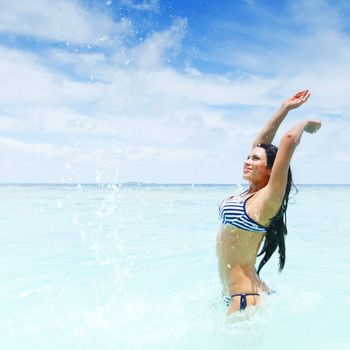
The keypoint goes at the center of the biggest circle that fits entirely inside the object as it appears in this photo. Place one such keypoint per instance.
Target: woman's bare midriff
(236, 251)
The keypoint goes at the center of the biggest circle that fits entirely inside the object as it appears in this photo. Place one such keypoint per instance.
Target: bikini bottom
(243, 298)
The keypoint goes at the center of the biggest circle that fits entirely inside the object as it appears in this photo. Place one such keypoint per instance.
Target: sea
(133, 266)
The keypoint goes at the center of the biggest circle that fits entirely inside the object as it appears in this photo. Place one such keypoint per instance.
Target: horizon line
(140, 183)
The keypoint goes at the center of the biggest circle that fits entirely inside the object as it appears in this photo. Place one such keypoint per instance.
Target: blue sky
(168, 91)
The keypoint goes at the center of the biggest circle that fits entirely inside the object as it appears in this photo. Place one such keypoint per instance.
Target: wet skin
(237, 249)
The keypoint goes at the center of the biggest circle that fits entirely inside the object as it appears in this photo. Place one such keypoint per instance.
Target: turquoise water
(134, 267)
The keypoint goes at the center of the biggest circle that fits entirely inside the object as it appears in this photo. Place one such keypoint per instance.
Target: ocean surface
(134, 267)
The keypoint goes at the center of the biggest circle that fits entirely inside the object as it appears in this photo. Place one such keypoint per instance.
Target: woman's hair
(278, 227)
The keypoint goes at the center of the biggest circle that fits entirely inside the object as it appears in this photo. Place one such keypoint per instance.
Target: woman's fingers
(297, 100)
(301, 94)
(306, 96)
(312, 126)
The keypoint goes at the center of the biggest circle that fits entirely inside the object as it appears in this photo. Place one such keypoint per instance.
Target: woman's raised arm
(269, 199)
(269, 131)
(278, 178)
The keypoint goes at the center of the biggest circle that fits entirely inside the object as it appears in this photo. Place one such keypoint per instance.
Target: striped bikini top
(232, 212)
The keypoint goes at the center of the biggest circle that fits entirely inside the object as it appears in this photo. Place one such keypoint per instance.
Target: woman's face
(255, 168)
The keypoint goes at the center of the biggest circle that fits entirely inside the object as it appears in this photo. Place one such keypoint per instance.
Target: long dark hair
(278, 227)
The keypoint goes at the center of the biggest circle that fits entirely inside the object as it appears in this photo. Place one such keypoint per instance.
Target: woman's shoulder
(262, 207)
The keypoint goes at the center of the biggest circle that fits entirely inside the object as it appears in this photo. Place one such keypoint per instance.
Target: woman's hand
(311, 126)
(296, 100)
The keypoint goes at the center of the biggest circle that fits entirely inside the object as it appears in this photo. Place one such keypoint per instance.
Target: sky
(168, 91)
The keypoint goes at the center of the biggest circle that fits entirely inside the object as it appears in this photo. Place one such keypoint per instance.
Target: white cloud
(146, 5)
(306, 48)
(153, 50)
(24, 79)
(130, 110)
(25, 149)
(52, 102)
(63, 20)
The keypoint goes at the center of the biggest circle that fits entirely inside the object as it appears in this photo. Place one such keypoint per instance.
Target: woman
(259, 212)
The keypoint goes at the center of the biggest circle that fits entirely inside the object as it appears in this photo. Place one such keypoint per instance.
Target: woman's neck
(254, 188)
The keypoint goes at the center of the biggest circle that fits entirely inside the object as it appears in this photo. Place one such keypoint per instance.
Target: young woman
(259, 212)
